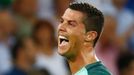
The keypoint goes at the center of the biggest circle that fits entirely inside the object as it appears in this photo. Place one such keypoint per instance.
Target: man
(78, 32)
(7, 29)
(23, 54)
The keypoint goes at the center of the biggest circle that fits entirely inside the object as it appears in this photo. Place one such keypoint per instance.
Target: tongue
(64, 43)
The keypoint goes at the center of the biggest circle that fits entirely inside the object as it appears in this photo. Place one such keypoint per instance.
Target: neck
(84, 57)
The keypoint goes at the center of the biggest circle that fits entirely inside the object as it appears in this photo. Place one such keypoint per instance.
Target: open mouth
(63, 40)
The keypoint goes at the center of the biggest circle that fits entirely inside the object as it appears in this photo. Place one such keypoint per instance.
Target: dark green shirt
(94, 69)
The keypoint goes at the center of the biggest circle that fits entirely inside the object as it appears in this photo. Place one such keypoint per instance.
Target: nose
(62, 27)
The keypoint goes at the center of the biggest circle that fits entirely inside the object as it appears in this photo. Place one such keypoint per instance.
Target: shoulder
(99, 72)
(97, 69)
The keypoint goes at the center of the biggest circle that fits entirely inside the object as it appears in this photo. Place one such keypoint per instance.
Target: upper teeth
(62, 37)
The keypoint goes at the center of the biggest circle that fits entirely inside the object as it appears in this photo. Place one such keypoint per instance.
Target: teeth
(62, 37)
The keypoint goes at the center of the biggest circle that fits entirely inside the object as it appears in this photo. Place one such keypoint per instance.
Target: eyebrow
(69, 20)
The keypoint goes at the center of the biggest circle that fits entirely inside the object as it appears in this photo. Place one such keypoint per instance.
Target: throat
(76, 64)
(81, 61)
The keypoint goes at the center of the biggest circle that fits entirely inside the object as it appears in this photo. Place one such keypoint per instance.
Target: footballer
(79, 29)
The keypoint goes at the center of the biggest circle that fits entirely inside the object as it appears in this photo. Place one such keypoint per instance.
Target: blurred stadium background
(28, 36)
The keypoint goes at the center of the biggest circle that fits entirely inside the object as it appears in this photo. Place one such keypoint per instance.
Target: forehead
(71, 14)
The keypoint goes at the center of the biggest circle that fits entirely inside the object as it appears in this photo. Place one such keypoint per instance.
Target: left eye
(71, 23)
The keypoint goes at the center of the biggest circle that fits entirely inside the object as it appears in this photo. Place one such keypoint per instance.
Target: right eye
(61, 20)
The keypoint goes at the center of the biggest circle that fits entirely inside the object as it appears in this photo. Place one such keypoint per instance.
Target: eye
(71, 23)
(61, 21)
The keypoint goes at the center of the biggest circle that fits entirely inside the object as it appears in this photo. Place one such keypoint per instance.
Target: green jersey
(93, 69)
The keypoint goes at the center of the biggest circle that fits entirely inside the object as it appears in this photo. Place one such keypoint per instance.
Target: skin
(26, 55)
(45, 40)
(79, 50)
(7, 25)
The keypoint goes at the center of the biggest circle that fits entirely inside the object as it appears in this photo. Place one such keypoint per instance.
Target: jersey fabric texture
(96, 68)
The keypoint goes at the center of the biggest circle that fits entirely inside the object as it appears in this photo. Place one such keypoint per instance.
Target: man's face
(71, 32)
(44, 38)
(7, 25)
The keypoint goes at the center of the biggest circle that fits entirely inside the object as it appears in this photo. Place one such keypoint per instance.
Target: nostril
(62, 29)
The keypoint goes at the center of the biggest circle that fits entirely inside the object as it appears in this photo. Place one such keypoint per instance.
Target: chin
(63, 52)
(67, 53)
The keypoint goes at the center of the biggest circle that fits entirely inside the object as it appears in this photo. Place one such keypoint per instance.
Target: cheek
(77, 36)
(78, 32)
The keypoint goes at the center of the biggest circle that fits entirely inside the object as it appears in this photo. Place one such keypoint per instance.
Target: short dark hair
(94, 19)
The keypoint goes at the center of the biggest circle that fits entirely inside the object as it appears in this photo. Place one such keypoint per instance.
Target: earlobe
(90, 36)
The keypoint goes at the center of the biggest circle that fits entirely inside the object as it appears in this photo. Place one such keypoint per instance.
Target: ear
(90, 36)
